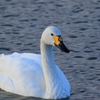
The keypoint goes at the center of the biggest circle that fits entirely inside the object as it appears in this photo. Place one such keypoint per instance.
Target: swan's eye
(51, 34)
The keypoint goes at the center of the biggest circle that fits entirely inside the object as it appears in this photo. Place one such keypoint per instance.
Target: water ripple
(72, 36)
(11, 15)
(92, 58)
(10, 25)
(77, 22)
(78, 56)
(7, 49)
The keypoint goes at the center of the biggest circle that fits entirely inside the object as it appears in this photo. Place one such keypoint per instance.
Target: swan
(36, 75)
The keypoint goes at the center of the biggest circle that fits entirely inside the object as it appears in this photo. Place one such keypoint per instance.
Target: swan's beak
(58, 41)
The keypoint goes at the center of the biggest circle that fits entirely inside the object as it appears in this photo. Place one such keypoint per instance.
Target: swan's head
(52, 36)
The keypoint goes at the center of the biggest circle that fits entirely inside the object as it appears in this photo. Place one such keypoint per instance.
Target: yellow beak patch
(57, 39)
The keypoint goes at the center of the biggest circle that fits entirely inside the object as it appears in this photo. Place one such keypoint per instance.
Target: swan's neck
(49, 68)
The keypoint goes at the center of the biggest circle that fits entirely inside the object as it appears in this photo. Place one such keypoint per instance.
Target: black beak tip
(62, 47)
(67, 51)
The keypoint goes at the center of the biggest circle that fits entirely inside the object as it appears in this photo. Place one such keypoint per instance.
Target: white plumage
(35, 75)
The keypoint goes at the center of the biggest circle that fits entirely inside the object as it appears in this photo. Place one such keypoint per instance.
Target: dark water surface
(23, 21)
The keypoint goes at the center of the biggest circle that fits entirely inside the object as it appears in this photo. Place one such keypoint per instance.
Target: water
(23, 21)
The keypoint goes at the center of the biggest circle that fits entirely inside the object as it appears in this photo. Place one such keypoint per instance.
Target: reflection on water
(9, 96)
(23, 21)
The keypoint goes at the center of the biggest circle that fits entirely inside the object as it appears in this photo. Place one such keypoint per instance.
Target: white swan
(36, 75)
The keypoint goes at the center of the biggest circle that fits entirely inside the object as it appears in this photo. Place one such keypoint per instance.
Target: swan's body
(33, 74)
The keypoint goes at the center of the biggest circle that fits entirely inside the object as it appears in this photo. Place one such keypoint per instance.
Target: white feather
(35, 75)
